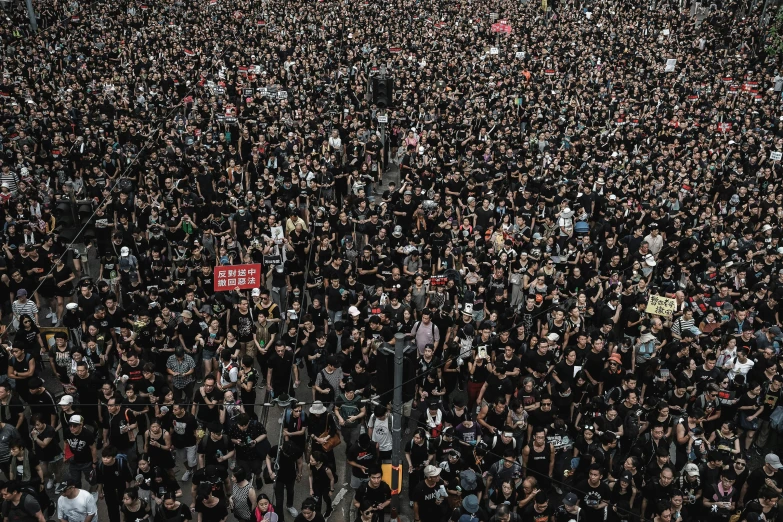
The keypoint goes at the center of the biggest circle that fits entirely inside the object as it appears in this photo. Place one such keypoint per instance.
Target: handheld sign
(659, 305)
(228, 278)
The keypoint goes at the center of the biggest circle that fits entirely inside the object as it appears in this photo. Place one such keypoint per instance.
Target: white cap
(256, 292)
(353, 311)
(124, 251)
(71, 306)
(650, 260)
(766, 228)
(65, 399)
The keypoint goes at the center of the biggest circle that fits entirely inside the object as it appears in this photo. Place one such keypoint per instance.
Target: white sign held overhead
(776, 156)
(494, 50)
(670, 64)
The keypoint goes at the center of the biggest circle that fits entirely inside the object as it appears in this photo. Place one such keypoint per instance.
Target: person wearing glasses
(365, 513)
(708, 401)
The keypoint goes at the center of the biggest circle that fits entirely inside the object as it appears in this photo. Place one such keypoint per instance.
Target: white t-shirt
(78, 508)
(740, 368)
(381, 432)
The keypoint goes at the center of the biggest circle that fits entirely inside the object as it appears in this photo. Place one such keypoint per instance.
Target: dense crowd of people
(559, 173)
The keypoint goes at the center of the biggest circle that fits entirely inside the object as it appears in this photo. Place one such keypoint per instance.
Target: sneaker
(50, 315)
(50, 483)
(186, 476)
(293, 511)
(328, 513)
(54, 319)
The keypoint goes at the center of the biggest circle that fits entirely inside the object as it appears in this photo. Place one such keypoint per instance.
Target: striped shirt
(682, 325)
(11, 178)
(28, 308)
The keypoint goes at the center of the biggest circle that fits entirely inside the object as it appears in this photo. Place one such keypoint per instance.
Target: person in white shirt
(76, 505)
(742, 364)
(654, 239)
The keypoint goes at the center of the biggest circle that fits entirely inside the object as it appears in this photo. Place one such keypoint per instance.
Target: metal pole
(762, 22)
(399, 354)
(31, 14)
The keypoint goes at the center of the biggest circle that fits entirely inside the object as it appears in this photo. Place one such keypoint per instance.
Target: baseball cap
(773, 460)
(65, 399)
(256, 292)
(570, 500)
(353, 311)
(76, 419)
(124, 252)
(691, 469)
(21, 292)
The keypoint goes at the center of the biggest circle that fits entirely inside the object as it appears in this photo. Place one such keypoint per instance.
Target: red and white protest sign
(501, 27)
(244, 277)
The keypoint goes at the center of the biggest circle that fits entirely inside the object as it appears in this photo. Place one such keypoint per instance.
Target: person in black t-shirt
(289, 470)
(81, 443)
(593, 495)
(183, 438)
(375, 491)
(538, 511)
(215, 448)
(216, 477)
(205, 406)
(281, 364)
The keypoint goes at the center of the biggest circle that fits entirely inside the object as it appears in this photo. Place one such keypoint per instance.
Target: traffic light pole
(399, 355)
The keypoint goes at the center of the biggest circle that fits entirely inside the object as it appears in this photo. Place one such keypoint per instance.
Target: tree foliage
(775, 34)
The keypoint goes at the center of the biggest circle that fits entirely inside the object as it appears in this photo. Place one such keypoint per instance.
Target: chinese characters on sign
(244, 277)
(661, 305)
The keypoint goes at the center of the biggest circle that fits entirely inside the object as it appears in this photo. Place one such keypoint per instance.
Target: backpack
(8, 507)
(202, 445)
(645, 350)
(631, 426)
(122, 460)
(615, 394)
(468, 480)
